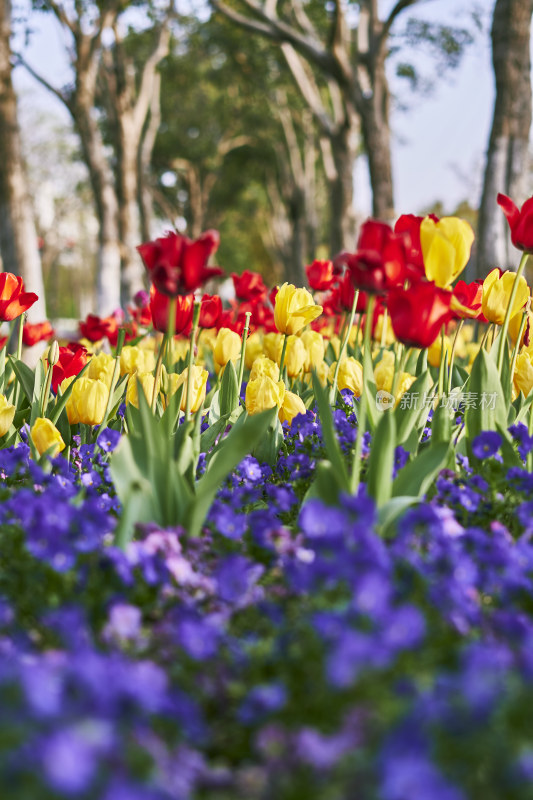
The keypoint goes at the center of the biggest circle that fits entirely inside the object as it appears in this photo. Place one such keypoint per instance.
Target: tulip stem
(517, 344)
(485, 337)
(169, 334)
(399, 366)
(157, 372)
(384, 325)
(344, 344)
(282, 359)
(248, 314)
(441, 365)
(19, 355)
(195, 319)
(46, 390)
(361, 417)
(505, 326)
(114, 378)
(452, 354)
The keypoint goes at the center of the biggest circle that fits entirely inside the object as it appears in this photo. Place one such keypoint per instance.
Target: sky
(439, 140)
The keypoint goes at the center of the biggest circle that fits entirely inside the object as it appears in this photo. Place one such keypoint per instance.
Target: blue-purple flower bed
(286, 653)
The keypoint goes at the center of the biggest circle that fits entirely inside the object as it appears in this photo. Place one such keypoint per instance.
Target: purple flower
(262, 701)
(486, 444)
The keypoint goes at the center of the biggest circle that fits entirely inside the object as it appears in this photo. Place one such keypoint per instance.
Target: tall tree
(131, 90)
(507, 165)
(352, 63)
(18, 235)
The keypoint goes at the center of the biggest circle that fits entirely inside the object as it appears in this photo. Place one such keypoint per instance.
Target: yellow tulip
(101, 367)
(314, 349)
(294, 309)
(435, 349)
(198, 386)
(263, 393)
(7, 413)
(89, 397)
(294, 356)
(227, 347)
(446, 246)
(273, 345)
(254, 348)
(136, 359)
(523, 374)
(291, 407)
(322, 372)
(497, 293)
(384, 372)
(350, 375)
(147, 381)
(264, 366)
(514, 326)
(45, 436)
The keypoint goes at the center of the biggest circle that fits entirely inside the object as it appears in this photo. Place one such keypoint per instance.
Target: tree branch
(65, 99)
(400, 6)
(307, 87)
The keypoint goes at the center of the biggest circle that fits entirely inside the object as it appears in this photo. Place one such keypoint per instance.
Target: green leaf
(412, 413)
(233, 448)
(373, 413)
(390, 511)
(325, 485)
(381, 459)
(229, 390)
(24, 375)
(38, 382)
(417, 476)
(333, 450)
(489, 407)
(209, 437)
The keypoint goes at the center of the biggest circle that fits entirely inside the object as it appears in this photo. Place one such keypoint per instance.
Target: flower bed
(306, 572)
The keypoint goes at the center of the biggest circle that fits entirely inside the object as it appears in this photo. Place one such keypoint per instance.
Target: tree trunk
(340, 182)
(506, 167)
(108, 271)
(144, 194)
(132, 277)
(18, 234)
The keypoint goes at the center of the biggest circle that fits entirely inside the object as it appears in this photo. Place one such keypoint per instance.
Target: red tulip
(379, 264)
(159, 306)
(408, 227)
(39, 332)
(417, 314)
(95, 328)
(130, 330)
(14, 299)
(72, 359)
(466, 302)
(520, 222)
(210, 311)
(249, 285)
(320, 275)
(177, 265)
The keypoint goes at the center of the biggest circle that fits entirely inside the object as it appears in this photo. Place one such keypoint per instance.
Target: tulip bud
(263, 393)
(7, 414)
(198, 386)
(45, 436)
(227, 347)
(53, 353)
(294, 309)
(291, 407)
